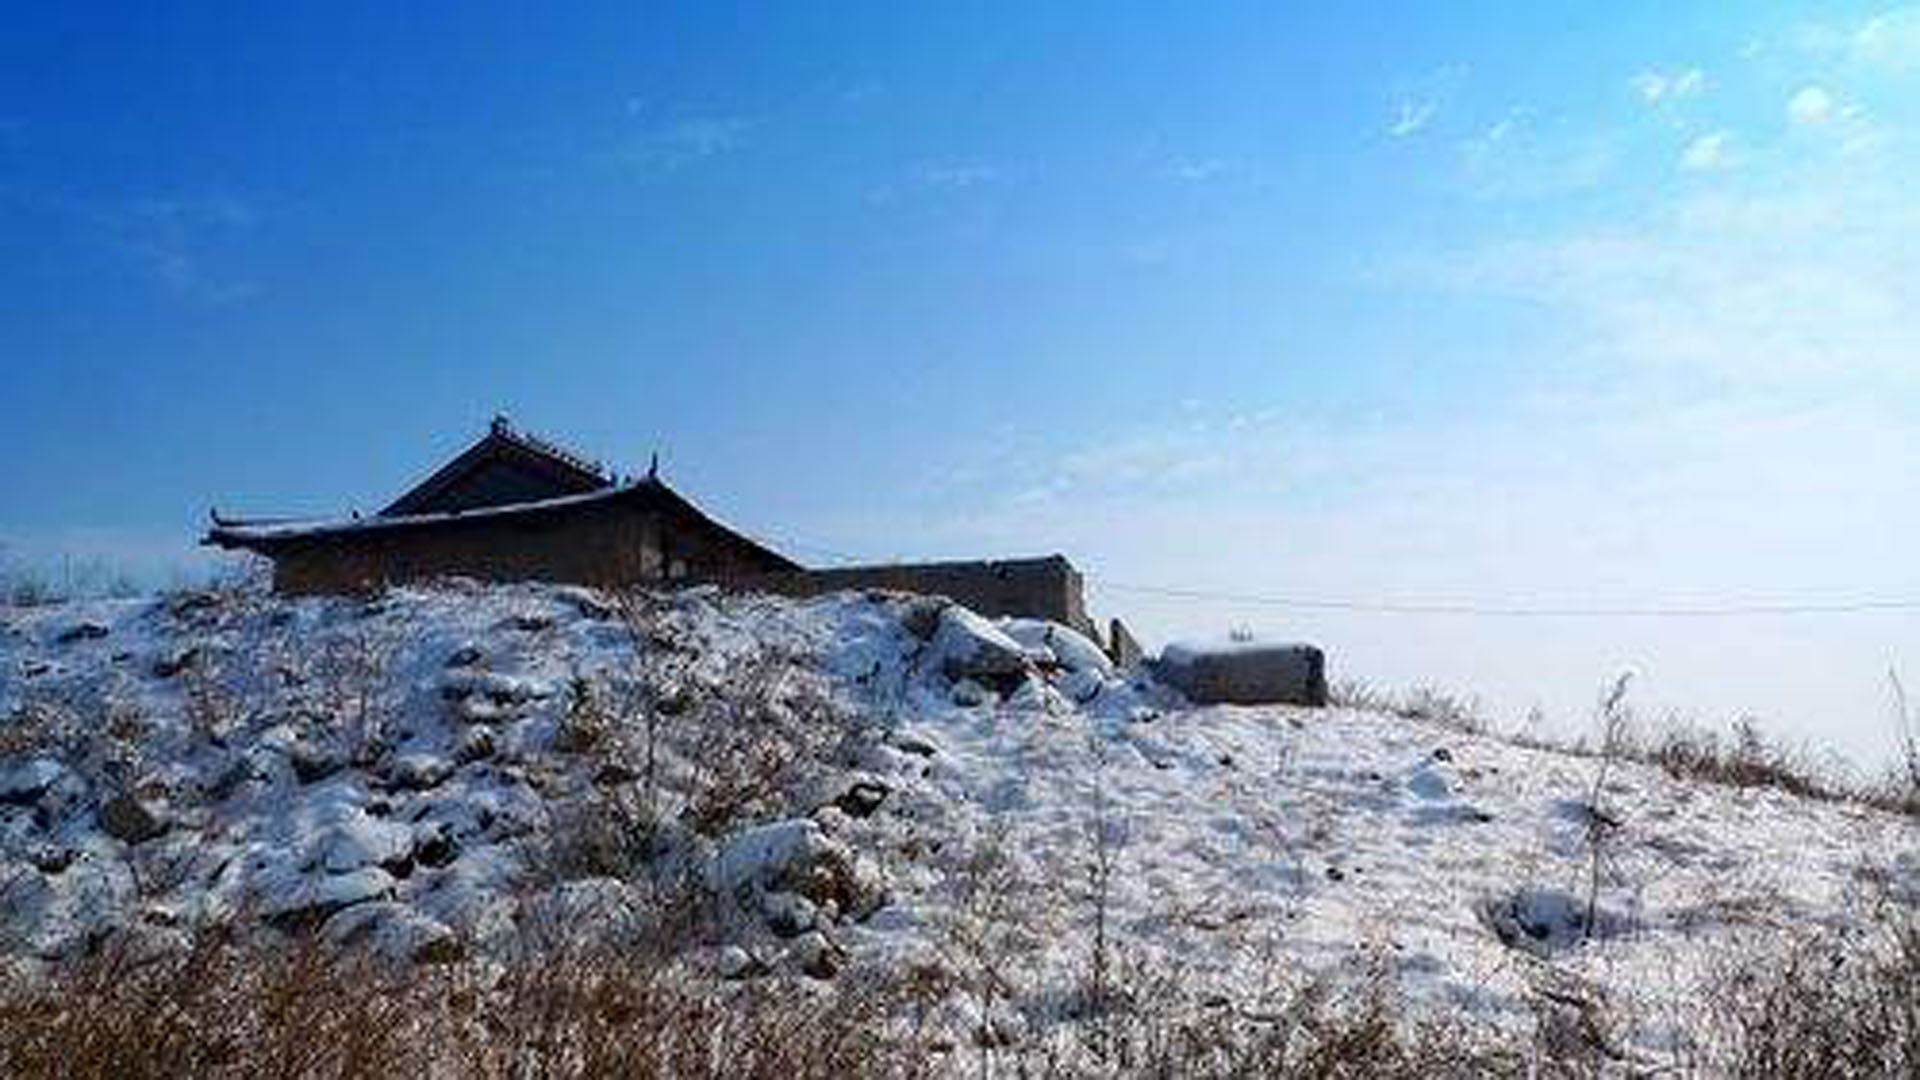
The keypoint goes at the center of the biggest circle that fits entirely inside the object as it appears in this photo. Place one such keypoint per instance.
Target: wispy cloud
(1411, 116)
(1710, 152)
(1416, 102)
(959, 174)
(1658, 87)
(679, 143)
(1198, 170)
(1517, 157)
(175, 242)
(1886, 42)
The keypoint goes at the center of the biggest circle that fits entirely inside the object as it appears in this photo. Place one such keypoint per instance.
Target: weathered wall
(1246, 673)
(1045, 588)
(608, 546)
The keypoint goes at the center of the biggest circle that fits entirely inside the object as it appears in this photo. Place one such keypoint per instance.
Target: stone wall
(610, 546)
(1043, 588)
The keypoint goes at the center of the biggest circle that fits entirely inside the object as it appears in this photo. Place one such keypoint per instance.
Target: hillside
(865, 789)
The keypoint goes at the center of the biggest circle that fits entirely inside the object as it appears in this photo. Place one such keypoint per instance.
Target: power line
(1702, 611)
(1726, 610)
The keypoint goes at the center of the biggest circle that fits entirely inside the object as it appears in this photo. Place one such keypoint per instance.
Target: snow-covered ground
(856, 782)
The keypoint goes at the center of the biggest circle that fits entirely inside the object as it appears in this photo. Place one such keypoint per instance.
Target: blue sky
(1518, 305)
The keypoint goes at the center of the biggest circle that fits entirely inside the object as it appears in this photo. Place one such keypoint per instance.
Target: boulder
(127, 819)
(795, 856)
(167, 665)
(1059, 644)
(23, 784)
(1124, 647)
(921, 615)
(967, 646)
(817, 956)
(418, 772)
(393, 931)
(1245, 673)
(735, 963)
(787, 914)
(86, 631)
(295, 902)
(351, 839)
(862, 798)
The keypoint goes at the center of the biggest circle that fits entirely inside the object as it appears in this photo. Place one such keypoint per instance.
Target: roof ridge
(527, 439)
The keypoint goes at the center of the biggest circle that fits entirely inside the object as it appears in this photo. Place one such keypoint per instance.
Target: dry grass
(1744, 757)
(1820, 1008)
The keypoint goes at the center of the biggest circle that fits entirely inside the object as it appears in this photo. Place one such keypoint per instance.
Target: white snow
(435, 797)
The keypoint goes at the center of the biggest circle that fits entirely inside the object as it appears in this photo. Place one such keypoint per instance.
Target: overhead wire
(1463, 609)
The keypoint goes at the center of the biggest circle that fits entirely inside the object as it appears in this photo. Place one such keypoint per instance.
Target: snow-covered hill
(853, 783)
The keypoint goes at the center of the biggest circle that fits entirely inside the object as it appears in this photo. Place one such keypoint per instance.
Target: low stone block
(1246, 673)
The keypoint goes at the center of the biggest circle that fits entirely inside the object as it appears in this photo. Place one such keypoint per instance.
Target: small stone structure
(1246, 673)
(1042, 588)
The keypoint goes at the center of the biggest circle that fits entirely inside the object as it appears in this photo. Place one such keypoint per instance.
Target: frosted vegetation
(537, 830)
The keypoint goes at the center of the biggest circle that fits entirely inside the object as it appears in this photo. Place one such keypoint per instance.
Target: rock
(354, 839)
(432, 847)
(189, 603)
(51, 859)
(788, 915)
(613, 774)
(969, 694)
(796, 856)
(482, 696)
(228, 779)
(1123, 648)
(908, 743)
(23, 784)
(394, 931)
(475, 745)
(817, 956)
(176, 662)
(295, 902)
(735, 963)
(127, 819)
(967, 646)
(312, 764)
(418, 772)
(862, 799)
(1246, 673)
(921, 615)
(1060, 645)
(588, 603)
(1081, 687)
(86, 631)
(465, 656)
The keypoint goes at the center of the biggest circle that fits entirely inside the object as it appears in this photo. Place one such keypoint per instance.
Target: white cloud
(1655, 87)
(180, 243)
(950, 174)
(1417, 101)
(1890, 40)
(1809, 106)
(1411, 116)
(1515, 157)
(1198, 170)
(679, 143)
(1708, 152)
